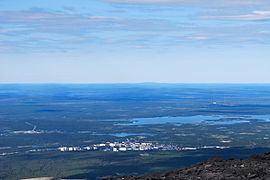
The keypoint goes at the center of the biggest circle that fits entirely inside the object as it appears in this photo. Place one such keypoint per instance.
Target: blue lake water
(212, 120)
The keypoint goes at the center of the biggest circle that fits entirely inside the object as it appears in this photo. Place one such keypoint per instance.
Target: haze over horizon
(134, 41)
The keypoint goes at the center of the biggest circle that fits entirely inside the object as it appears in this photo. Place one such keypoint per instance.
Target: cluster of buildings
(116, 147)
(124, 146)
(135, 146)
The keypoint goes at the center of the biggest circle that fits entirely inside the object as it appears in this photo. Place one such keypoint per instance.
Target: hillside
(255, 167)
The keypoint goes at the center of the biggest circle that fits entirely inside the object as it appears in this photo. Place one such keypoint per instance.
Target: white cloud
(4, 48)
(264, 32)
(70, 23)
(104, 18)
(139, 47)
(253, 16)
(3, 31)
(262, 12)
(198, 37)
(198, 3)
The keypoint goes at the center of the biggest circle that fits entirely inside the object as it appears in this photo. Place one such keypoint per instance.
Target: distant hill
(256, 167)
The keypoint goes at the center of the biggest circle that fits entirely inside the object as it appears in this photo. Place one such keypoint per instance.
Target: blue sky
(126, 41)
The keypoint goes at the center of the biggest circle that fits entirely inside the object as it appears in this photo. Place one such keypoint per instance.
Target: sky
(133, 41)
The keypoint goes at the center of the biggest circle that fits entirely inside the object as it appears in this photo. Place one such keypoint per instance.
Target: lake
(212, 120)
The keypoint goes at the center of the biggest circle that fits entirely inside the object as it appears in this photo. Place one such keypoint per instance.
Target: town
(135, 146)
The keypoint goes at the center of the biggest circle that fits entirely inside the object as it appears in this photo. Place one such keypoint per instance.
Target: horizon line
(104, 83)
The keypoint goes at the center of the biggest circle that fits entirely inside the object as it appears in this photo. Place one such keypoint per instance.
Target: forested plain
(50, 116)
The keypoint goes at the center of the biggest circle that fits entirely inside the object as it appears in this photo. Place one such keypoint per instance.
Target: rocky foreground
(49, 178)
(255, 167)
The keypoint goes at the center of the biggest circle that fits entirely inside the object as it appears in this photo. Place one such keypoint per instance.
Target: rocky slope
(255, 167)
(49, 178)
